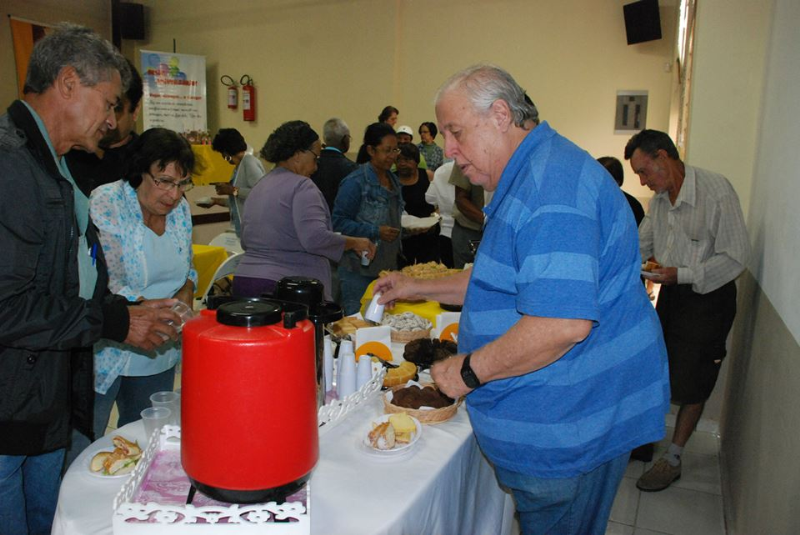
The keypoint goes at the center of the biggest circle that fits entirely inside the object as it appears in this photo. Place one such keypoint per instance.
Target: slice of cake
(404, 427)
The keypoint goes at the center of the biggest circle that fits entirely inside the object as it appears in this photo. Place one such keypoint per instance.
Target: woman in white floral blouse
(146, 232)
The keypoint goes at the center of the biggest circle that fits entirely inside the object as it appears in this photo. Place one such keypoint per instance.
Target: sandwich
(118, 462)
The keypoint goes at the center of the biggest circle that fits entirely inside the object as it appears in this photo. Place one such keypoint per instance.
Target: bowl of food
(424, 402)
(407, 326)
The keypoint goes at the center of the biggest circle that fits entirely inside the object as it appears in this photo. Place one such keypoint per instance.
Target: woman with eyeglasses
(146, 233)
(369, 204)
(247, 171)
(286, 228)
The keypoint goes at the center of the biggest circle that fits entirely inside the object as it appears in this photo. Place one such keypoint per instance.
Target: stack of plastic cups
(363, 371)
(327, 361)
(346, 377)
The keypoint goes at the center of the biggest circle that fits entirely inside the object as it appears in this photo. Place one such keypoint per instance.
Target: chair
(224, 269)
(228, 241)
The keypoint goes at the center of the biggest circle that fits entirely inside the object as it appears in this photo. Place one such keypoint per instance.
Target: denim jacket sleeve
(348, 205)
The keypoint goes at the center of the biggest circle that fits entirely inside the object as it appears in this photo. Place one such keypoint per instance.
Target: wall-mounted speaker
(131, 21)
(642, 21)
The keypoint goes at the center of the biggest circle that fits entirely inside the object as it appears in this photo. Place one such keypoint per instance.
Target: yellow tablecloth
(211, 167)
(207, 258)
(426, 309)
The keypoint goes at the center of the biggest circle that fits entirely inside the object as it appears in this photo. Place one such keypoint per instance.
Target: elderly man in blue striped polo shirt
(561, 355)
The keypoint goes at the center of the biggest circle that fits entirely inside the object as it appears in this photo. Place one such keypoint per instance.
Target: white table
(444, 486)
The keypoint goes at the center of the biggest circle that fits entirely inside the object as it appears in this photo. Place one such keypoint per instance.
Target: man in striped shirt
(695, 230)
(561, 354)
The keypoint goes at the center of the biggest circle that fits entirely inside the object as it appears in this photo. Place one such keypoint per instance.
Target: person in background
(428, 149)
(287, 225)
(389, 115)
(53, 282)
(145, 227)
(247, 171)
(419, 246)
(107, 164)
(406, 135)
(468, 217)
(369, 205)
(560, 356)
(614, 168)
(442, 194)
(695, 230)
(333, 165)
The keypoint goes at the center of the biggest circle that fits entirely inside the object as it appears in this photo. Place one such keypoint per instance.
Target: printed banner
(174, 92)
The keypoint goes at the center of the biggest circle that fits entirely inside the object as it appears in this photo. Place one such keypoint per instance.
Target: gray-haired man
(54, 300)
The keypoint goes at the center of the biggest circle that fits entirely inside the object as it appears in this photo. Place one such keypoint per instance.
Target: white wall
(775, 218)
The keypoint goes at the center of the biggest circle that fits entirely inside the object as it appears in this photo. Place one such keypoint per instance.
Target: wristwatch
(468, 374)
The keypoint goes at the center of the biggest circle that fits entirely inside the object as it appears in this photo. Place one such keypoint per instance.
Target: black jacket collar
(36, 143)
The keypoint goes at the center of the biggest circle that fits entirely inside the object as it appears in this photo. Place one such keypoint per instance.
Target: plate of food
(118, 461)
(647, 269)
(412, 222)
(391, 435)
(204, 202)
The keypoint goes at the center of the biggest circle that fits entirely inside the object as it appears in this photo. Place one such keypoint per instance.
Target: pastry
(347, 326)
(400, 375)
(424, 352)
(404, 427)
(414, 397)
(382, 436)
(650, 265)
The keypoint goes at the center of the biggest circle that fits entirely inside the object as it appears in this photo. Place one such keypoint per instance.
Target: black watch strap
(468, 374)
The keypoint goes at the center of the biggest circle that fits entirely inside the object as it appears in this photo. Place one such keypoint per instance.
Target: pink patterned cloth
(167, 484)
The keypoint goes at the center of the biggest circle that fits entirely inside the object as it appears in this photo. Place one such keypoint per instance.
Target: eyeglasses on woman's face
(388, 150)
(167, 183)
(316, 154)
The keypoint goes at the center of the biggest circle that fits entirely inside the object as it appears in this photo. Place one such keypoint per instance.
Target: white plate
(648, 275)
(415, 223)
(397, 450)
(100, 474)
(204, 202)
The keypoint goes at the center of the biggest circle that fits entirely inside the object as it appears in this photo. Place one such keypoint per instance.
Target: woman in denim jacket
(369, 204)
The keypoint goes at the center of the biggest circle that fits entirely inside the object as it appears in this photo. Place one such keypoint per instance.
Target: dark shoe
(660, 476)
(643, 453)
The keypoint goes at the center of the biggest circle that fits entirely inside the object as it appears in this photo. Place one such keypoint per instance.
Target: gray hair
(484, 84)
(92, 57)
(334, 131)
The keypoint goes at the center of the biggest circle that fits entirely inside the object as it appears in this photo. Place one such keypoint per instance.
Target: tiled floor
(691, 506)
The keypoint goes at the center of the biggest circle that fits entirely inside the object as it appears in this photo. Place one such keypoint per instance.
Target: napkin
(375, 340)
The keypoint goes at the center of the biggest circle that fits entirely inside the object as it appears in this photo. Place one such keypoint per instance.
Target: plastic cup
(346, 384)
(363, 371)
(328, 363)
(171, 401)
(374, 311)
(184, 311)
(155, 418)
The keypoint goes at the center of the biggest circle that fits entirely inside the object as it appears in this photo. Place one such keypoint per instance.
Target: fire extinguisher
(248, 98)
(233, 91)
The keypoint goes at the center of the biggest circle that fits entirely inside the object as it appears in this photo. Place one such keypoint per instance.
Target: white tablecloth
(444, 486)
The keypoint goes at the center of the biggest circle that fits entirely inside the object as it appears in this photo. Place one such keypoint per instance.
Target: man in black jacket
(333, 165)
(54, 302)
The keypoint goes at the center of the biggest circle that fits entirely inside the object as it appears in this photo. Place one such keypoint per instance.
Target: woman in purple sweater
(286, 226)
